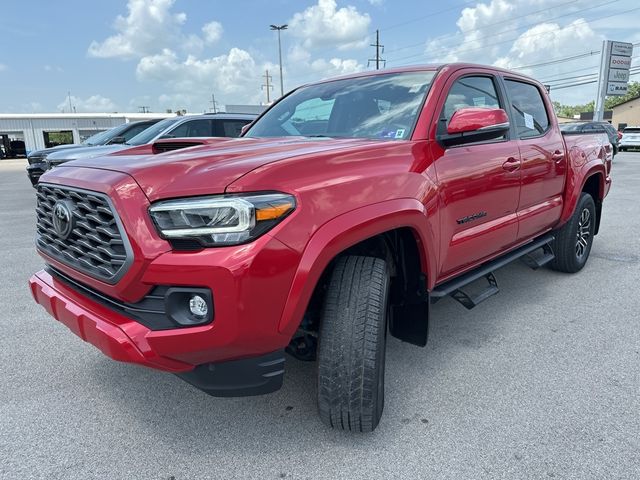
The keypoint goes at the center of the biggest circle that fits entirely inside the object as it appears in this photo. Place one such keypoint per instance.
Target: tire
(574, 239)
(351, 349)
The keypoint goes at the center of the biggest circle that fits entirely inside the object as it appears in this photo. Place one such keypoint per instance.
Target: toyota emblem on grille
(62, 219)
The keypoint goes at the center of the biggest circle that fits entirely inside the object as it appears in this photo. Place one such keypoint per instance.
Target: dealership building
(36, 129)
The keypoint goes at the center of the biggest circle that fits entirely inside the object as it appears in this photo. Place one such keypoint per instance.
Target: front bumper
(115, 335)
(121, 339)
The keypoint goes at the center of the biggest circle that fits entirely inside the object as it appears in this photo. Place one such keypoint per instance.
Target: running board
(454, 287)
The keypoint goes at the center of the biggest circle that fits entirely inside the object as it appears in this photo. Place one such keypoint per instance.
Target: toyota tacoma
(342, 213)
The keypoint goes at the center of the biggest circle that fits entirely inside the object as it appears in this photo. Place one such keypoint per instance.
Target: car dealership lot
(539, 381)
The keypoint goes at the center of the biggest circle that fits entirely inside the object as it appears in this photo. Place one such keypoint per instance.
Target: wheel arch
(364, 230)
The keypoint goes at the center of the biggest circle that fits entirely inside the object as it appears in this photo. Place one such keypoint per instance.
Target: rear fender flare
(575, 185)
(345, 231)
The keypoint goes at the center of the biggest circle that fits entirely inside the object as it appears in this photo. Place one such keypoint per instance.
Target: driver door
(479, 182)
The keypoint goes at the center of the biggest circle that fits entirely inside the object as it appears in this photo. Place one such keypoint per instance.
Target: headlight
(36, 159)
(221, 220)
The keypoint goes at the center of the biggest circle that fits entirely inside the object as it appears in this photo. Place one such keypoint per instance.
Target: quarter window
(530, 114)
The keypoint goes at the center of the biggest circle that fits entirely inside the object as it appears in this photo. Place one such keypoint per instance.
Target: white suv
(630, 138)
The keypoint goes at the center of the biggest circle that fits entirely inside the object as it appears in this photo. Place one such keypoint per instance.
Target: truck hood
(68, 154)
(211, 168)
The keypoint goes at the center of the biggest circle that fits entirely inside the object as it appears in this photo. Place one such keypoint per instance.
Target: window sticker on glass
(479, 102)
(528, 121)
(400, 133)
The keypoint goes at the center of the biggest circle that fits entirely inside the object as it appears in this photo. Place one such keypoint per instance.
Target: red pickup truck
(342, 213)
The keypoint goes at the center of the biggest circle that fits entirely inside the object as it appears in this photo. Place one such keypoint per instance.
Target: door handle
(511, 165)
(557, 156)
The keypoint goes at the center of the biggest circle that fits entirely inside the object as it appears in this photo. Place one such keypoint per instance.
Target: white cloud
(212, 32)
(324, 25)
(52, 68)
(173, 60)
(234, 76)
(148, 27)
(92, 104)
(547, 41)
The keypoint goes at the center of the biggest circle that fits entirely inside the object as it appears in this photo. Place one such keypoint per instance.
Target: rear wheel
(351, 350)
(573, 241)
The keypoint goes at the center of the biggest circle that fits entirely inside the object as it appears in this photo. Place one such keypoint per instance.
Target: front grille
(80, 229)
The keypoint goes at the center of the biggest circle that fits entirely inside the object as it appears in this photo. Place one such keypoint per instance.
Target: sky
(119, 55)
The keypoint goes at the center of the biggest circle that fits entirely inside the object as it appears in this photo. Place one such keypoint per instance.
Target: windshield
(152, 132)
(101, 138)
(379, 106)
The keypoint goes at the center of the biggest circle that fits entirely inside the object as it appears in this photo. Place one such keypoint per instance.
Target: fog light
(198, 306)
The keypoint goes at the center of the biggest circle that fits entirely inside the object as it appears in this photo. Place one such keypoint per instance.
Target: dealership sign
(613, 79)
(618, 63)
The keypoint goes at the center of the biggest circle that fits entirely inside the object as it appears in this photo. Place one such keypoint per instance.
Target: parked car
(594, 127)
(116, 135)
(343, 212)
(630, 138)
(219, 125)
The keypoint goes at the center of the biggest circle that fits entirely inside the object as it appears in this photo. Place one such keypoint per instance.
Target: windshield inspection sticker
(528, 121)
(400, 133)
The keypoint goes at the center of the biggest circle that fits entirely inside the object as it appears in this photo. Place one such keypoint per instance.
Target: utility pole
(213, 103)
(379, 50)
(267, 85)
(69, 96)
(279, 28)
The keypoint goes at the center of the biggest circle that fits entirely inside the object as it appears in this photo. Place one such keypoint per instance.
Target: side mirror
(117, 141)
(475, 124)
(244, 129)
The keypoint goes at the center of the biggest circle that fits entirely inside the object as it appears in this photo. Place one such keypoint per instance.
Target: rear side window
(631, 130)
(530, 114)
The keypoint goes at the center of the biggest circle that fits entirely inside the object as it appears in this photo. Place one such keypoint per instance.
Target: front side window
(229, 128)
(191, 128)
(152, 132)
(135, 130)
(379, 106)
(470, 92)
(530, 114)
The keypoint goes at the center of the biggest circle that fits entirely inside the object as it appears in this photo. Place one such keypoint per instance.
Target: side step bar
(454, 287)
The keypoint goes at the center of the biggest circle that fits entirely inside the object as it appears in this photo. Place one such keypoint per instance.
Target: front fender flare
(344, 231)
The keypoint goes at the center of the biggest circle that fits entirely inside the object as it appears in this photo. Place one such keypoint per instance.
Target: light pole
(279, 29)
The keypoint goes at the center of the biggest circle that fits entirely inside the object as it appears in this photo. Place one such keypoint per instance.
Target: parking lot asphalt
(541, 381)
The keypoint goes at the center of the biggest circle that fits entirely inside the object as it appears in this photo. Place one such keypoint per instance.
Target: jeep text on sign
(618, 75)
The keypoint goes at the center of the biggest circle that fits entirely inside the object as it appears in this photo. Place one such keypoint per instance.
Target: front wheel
(351, 349)
(574, 239)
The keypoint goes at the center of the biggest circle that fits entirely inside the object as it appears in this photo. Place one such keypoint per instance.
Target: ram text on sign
(614, 88)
